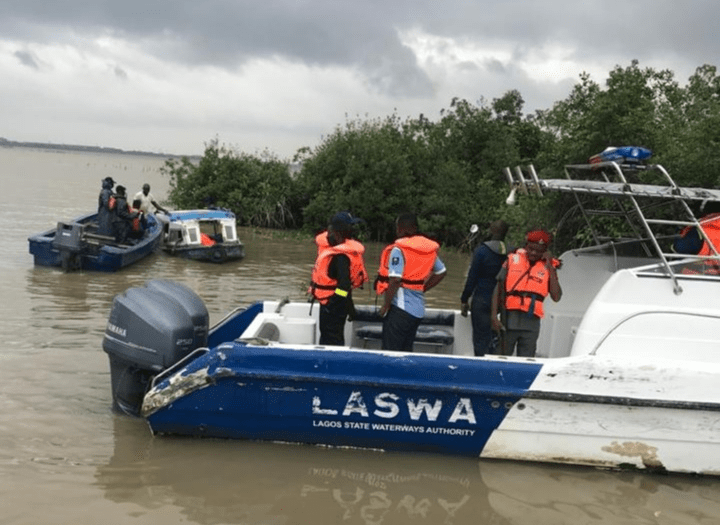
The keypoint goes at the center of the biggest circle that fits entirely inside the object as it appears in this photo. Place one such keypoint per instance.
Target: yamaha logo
(122, 332)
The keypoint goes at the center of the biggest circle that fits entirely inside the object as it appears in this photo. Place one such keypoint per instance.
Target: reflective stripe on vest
(419, 253)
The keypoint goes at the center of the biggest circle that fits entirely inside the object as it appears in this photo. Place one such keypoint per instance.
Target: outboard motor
(68, 241)
(150, 328)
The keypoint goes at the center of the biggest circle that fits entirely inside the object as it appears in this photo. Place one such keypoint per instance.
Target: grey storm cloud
(27, 58)
(365, 34)
(288, 69)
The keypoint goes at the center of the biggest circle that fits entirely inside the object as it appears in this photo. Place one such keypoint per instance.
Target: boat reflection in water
(220, 481)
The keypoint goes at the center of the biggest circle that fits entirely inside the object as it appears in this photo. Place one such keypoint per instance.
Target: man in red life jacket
(338, 269)
(526, 278)
(408, 268)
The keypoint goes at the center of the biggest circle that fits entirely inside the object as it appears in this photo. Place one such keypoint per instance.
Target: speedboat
(76, 245)
(203, 235)
(625, 376)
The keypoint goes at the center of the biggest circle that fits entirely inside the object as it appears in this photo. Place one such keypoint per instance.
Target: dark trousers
(332, 322)
(482, 331)
(399, 329)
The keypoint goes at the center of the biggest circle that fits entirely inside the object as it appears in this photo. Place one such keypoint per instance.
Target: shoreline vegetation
(449, 171)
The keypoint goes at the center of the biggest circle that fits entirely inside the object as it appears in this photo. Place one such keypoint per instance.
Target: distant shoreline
(91, 149)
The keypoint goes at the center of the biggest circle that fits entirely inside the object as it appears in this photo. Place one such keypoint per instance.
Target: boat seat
(426, 335)
(430, 331)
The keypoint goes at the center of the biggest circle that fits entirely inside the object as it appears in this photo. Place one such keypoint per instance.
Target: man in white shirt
(147, 200)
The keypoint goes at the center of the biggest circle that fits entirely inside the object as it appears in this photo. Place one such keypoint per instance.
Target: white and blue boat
(202, 235)
(75, 245)
(626, 375)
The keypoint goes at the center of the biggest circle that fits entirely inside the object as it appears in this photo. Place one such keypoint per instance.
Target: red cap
(538, 236)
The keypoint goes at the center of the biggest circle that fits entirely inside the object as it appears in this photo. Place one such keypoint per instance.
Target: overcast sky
(169, 76)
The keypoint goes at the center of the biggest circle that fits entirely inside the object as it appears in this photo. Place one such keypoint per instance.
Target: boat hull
(102, 257)
(582, 411)
(218, 253)
(340, 398)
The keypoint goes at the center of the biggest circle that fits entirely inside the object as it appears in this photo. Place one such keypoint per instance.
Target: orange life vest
(322, 286)
(321, 239)
(526, 287)
(206, 240)
(711, 227)
(419, 253)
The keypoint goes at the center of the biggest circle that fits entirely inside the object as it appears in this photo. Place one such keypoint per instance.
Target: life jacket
(419, 253)
(710, 225)
(136, 223)
(321, 239)
(322, 286)
(206, 240)
(526, 287)
(112, 201)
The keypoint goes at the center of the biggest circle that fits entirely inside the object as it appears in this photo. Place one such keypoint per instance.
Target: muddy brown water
(66, 458)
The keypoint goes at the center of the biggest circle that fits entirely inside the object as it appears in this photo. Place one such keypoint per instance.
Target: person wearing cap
(147, 200)
(408, 268)
(528, 276)
(487, 260)
(105, 212)
(338, 269)
(123, 218)
(321, 239)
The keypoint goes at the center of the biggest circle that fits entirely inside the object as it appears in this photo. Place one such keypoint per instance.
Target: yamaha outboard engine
(150, 328)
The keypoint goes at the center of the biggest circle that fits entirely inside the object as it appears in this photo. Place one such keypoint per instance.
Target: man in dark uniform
(105, 214)
(480, 284)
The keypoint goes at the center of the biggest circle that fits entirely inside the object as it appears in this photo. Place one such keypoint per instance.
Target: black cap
(344, 220)
(110, 180)
(120, 189)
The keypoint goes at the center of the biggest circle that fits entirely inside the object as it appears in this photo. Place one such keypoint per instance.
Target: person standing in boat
(338, 269)
(147, 200)
(528, 276)
(321, 239)
(123, 219)
(106, 208)
(408, 268)
(487, 260)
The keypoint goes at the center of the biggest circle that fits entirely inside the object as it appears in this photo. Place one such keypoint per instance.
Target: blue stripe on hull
(346, 398)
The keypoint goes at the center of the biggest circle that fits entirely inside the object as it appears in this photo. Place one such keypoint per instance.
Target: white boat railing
(613, 180)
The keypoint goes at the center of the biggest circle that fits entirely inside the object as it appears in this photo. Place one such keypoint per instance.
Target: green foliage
(257, 190)
(449, 171)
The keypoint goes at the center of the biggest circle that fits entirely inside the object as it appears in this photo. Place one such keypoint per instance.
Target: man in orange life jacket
(123, 219)
(338, 269)
(692, 242)
(527, 277)
(408, 268)
(321, 239)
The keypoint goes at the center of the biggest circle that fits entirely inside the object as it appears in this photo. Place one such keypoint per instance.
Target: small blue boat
(202, 235)
(75, 245)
